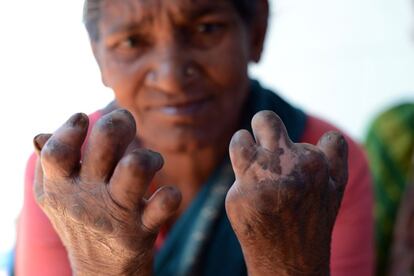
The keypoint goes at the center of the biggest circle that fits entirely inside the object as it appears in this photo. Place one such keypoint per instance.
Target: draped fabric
(202, 241)
(390, 145)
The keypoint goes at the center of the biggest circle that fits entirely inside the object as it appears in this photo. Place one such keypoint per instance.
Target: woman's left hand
(285, 199)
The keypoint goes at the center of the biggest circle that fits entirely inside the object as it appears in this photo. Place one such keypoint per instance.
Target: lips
(187, 108)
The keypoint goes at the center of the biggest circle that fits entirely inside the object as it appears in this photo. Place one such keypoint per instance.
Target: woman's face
(180, 66)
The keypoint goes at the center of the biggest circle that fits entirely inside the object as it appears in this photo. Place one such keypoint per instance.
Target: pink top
(40, 252)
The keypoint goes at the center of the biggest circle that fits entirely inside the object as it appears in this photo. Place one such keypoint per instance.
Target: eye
(209, 28)
(130, 42)
(128, 47)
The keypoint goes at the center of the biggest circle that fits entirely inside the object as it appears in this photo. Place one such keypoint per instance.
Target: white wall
(341, 59)
(344, 60)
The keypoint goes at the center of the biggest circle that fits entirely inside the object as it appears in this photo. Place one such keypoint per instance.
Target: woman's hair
(91, 14)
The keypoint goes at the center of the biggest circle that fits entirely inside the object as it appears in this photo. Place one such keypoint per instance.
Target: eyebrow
(203, 11)
(123, 26)
(206, 9)
(189, 13)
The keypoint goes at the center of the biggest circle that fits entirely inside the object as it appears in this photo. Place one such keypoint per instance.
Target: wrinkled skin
(285, 199)
(282, 206)
(96, 204)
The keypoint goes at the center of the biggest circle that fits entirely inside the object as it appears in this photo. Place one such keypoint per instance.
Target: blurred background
(344, 60)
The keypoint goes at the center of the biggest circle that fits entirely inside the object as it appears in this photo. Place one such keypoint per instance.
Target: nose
(172, 69)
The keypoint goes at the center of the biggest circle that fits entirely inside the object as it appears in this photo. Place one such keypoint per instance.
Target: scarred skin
(282, 206)
(285, 199)
(96, 204)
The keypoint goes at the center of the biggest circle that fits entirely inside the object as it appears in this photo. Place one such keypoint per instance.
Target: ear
(98, 57)
(258, 29)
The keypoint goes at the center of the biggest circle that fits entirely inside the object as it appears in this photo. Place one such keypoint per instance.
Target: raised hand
(96, 203)
(285, 199)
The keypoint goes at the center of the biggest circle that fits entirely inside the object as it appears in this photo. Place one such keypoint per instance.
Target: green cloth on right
(390, 147)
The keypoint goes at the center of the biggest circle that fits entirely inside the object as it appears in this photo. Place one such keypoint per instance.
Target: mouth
(184, 109)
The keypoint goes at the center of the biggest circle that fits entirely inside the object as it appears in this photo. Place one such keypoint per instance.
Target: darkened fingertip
(334, 138)
(170, 198)
(158, 159)
(78, 120)
(39, 141)
(152, 159)
(118, 121)
(125, 113)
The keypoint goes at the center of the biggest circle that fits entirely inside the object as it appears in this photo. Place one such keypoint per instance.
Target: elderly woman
(178, 69)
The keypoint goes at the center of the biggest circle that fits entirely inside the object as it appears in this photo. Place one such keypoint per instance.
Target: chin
(181, 141)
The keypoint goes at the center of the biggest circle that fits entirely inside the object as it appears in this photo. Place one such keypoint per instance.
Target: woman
(180, 69)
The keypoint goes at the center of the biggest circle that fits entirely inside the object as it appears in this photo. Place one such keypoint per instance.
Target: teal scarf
(202, 241)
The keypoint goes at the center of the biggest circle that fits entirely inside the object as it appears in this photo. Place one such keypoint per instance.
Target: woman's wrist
(120, 267)
(271, 264)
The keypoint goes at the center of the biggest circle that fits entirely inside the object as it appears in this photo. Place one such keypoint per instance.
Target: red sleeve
(39, 250)
(352, 250)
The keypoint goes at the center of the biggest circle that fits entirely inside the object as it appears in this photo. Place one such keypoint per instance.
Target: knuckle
(55, 151)
(77, 211)
(103, 224)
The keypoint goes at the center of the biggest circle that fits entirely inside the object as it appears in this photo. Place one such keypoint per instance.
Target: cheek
(229, 71)
(227, 63)
(125, 79)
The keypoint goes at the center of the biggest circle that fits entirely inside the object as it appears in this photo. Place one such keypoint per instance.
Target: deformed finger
(161, 207)
(335, 148)
(243, 151)
(132, 176)
(60, 156)
(269, 131)
(107, 143)
(39, 142)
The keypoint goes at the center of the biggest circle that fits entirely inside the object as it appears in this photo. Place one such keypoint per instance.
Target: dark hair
(91, 14)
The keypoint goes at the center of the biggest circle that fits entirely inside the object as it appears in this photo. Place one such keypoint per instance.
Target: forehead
(150, 10)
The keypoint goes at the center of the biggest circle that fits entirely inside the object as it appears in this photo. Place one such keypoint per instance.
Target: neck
(188, 171)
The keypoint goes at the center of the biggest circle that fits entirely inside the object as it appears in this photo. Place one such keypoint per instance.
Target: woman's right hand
(96, 202)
